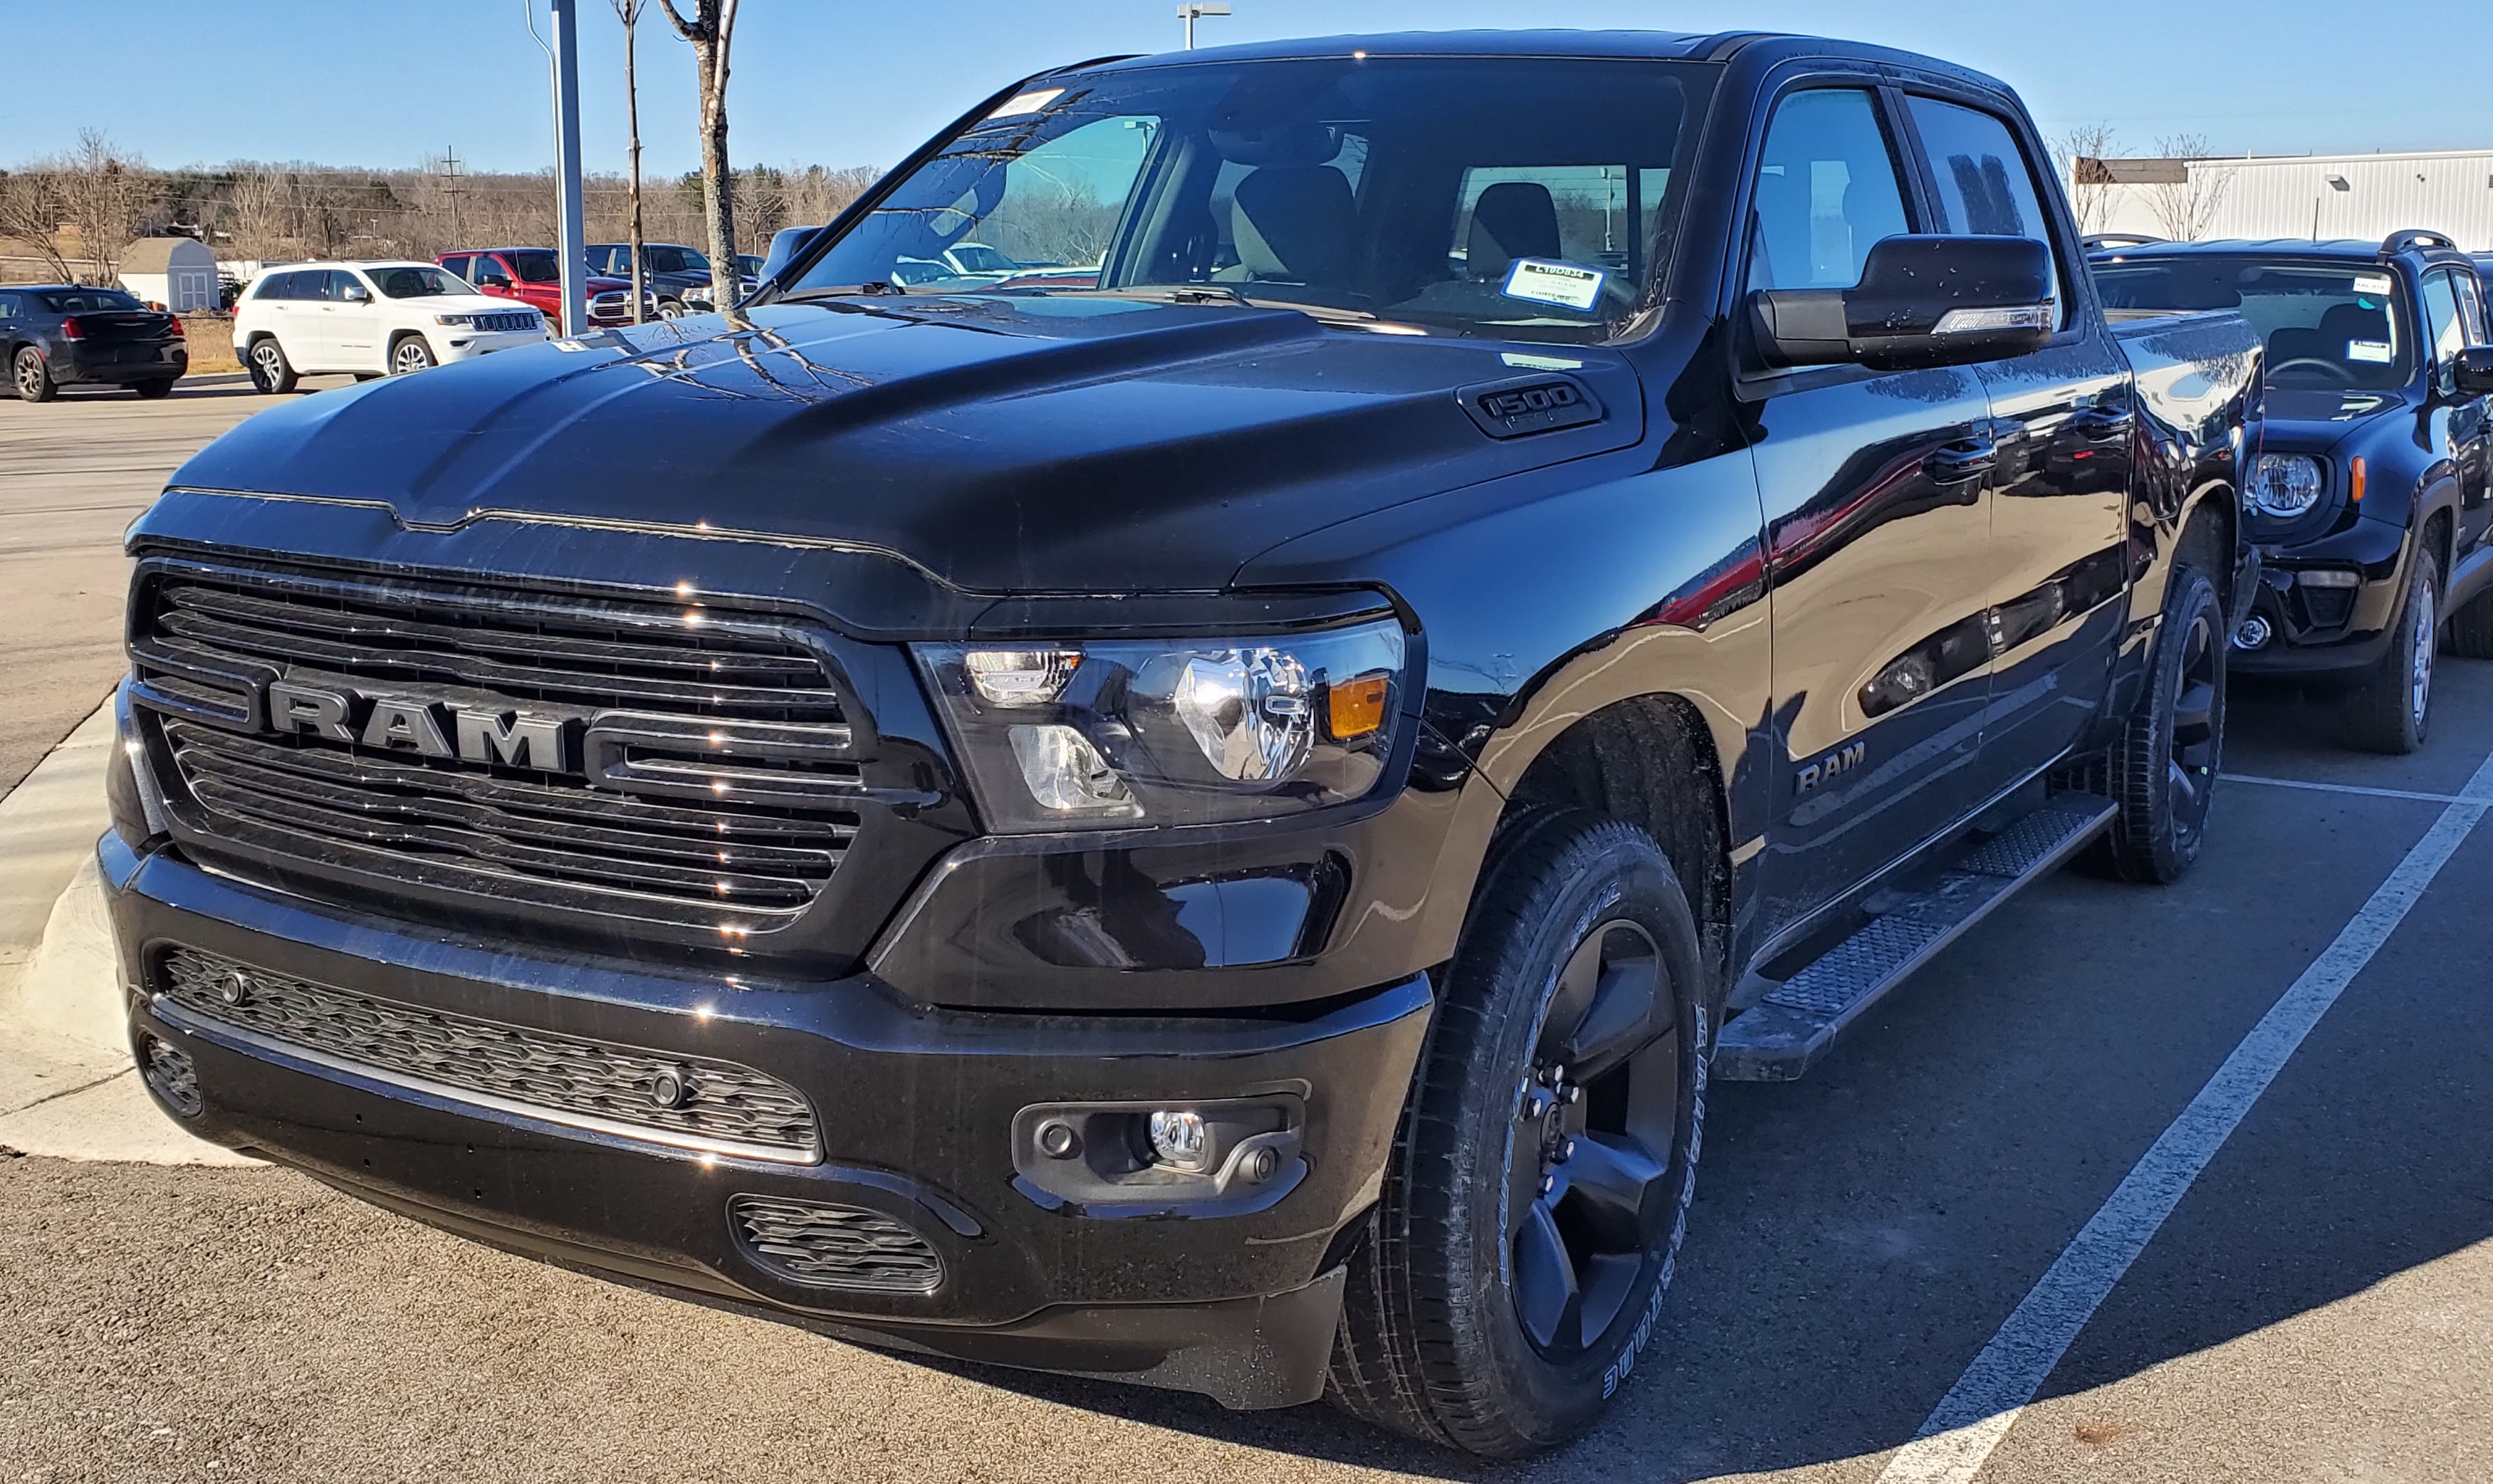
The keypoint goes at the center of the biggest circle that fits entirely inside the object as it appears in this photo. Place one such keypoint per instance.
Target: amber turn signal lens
(1354, 709)
(2354, 482)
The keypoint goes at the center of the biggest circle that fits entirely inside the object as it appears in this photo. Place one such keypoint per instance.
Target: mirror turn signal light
(1356, 708)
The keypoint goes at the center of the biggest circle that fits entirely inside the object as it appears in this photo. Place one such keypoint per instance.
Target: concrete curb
(67, 1086)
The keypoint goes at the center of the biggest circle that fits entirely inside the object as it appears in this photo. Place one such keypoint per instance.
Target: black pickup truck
(1207, 826)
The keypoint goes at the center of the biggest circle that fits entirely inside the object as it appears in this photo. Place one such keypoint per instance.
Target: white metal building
(2361, 196)
(179, 273)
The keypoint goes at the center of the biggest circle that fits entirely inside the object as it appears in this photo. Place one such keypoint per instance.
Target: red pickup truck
(531, 275)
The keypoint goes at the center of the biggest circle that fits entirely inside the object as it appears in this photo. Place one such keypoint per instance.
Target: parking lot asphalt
(2316, 1307)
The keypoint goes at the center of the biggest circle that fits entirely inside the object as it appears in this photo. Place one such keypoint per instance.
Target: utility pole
(629, 13)
(451, 189)
(1191, 12)
(571, 253)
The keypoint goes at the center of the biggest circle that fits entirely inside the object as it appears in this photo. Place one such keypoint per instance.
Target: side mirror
(1922, 301)
(356, 293)
(2471, 372)
(495, 282)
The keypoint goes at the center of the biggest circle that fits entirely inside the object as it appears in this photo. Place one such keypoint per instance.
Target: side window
(1827, 191)
(340, 280)
(8, 306)
(489, 266)
(2471, 308)
(456, 264)
(2447, 332)
(1986, 185)
(278, 285)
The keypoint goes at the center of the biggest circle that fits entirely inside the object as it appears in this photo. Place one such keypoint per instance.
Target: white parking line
(1979, 1410)
(2343, 788)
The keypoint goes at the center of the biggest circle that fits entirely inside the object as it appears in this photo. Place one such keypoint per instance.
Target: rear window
(2329, 325)
(75, 301)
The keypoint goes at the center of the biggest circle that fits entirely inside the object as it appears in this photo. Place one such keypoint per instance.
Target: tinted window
(456, 263)
(8, 306)
(534, 267)
(676, 260)
(87, 300)
(1828, 190)
(417, 283)
(489, 266)
(273, 286)
(2471, 308)
(2447, 331)
(337, 282)
(1986, 187)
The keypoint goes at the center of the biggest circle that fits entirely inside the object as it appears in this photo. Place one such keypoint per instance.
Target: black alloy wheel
(1538, 1187)
(30, 376)
(2164, 768)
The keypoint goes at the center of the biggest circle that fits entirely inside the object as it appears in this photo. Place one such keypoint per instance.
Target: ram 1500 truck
(1208, 826)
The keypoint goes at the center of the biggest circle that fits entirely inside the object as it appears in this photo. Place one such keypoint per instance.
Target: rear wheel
(272, 375)
(2393, 711)
(154, 389)
(32, 376)
(1538, 1187)
(410, 354)
(2164, 766)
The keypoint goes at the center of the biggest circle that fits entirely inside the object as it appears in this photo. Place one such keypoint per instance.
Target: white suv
(369, 318)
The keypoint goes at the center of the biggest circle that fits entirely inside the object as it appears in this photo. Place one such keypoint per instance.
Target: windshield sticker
(1539, 362)
(1027, 103)
(2371, 283)
(2369, 350)
(1543, 281)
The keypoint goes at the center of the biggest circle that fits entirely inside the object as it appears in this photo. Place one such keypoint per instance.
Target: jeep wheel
(409, 355)
(2164, 766)
(1540, 1182)
(2393, 711)
(272, 375)
(30, 376)
(2469, 634)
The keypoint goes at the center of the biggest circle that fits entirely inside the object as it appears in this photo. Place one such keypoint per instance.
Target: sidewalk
(67, 1086)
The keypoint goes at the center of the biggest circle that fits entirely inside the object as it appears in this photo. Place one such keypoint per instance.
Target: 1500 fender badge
(1833, 765)
(1521, 405)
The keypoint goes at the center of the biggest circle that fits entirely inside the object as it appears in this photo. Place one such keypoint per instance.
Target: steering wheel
(2343, 375)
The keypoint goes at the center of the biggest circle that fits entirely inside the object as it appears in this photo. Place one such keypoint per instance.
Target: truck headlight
(1107, 733)
(2285, 485)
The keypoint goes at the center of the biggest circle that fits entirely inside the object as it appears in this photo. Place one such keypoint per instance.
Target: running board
(1786, 1031)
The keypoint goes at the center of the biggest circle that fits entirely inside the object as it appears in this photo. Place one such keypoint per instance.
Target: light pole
(1190, 11)
(571, 253)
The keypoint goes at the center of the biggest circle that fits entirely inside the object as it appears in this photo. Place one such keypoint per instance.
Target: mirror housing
(2471, 373)
(356, 293)
(1922, 301)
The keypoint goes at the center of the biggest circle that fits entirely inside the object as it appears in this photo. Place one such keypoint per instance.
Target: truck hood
(1000, 444)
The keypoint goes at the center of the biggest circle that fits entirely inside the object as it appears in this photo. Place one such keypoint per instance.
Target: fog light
(2253, 634)
(1181, 1142)
(2330, 577)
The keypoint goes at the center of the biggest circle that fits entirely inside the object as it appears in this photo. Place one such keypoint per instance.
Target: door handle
(1964, 459)
(2102, 425)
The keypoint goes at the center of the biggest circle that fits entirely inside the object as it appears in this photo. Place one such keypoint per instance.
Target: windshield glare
(1518, 198)
(416, 283)
(2329, 325)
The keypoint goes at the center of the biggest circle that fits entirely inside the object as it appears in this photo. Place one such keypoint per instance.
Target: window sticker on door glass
(2369, 350)
(1543, 282)
(2371, 283)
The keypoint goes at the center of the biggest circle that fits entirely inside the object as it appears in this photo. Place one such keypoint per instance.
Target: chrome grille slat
(729, 1108)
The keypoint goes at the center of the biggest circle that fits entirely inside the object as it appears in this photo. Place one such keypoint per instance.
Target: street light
(1190, 11)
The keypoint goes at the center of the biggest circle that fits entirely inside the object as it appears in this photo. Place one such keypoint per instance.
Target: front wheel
(2164, 766)
(32, 376)
(411, 355)
(670, 309)
(272, 375)
(2469, 634)
(2393, 711)
(1540, 1183)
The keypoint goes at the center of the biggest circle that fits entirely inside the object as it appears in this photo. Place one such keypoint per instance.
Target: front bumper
(917, 1111)
(455, 345)
(2324, 633)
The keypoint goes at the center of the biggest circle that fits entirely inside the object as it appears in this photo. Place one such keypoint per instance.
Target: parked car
(1210, 830)
(369, 319)
(2372, 498)
(533, 277)
(680, 276)
(55, 335)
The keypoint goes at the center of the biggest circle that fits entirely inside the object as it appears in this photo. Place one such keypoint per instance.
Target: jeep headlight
(1060, 734)
(2285, 485)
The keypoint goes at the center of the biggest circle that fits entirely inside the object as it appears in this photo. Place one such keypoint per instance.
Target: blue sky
(841, 83)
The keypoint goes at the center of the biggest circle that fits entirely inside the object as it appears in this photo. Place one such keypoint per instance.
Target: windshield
(1511, 196)
(533, 267)
(88, 300)
(2329, 327)
(416, 283)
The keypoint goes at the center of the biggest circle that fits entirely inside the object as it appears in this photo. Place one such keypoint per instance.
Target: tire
(152, 390)
(1521, 1208)
(672, 309)
(2469, 634)
(272, 375)
(2162, 769)
(32, 376)
(2391, 711)
(410, 354)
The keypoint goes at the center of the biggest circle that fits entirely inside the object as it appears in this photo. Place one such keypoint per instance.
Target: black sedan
(56, 335)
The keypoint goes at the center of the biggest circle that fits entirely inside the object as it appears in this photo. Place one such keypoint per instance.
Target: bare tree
(31, 211)
(2187, 208)
(2089, 197)
(105, 194)
(628, 11)
(710, 31)
(257, 207)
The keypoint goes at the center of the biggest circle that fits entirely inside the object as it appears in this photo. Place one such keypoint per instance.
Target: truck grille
(717, 791)
(687, 1102)
(825, 1246)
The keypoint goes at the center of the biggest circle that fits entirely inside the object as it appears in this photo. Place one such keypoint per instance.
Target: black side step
(1784, 1033)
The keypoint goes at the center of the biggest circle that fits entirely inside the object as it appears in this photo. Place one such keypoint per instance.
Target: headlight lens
(1103, 733)
(2286, 484)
